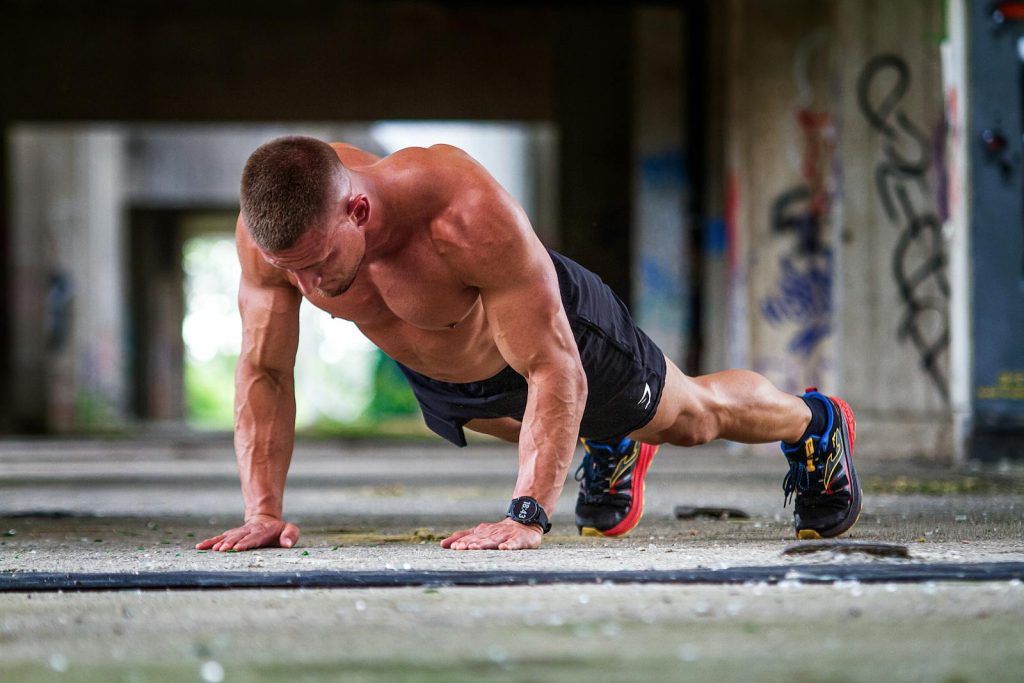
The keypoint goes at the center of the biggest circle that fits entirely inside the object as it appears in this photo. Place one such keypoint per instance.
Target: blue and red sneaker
(821, 475)
(611, 476)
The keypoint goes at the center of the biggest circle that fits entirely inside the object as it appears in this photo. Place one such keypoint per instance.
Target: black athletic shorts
(625, 369)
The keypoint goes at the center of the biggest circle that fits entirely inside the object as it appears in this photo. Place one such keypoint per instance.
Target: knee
(505, 428)
(694, 429)
(697, 423)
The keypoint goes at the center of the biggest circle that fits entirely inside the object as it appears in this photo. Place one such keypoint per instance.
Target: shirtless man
(440, 268)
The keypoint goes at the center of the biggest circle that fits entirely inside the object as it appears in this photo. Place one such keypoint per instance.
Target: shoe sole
(849, 429)
(638, 491)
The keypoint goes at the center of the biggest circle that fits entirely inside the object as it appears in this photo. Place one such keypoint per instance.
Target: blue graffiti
(656, 278)
(665, 170)
(715, 236)
(803, 296)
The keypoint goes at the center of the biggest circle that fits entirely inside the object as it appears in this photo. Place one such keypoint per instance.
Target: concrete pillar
(661, 254)
(29, 269)
(834, 165)
(780, 187)
(893, 306)
(68, 284)
(710, 106)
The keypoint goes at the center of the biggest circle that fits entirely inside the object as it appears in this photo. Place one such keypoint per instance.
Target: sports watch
(526, 510)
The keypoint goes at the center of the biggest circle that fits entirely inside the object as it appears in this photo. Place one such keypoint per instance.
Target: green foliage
(332, 406)
(95, 413)
(392, 396)
(210, 392)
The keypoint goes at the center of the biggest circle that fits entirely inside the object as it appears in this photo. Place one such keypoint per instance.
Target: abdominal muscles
(464, 353)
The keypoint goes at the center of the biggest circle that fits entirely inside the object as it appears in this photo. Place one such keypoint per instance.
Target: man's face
(326, 257)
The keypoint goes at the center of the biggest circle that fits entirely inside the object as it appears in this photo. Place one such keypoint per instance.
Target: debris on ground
(690, 512)
(843, 546)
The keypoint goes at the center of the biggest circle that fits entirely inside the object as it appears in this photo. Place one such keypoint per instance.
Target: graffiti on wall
(804, 297)
(801, 301)
(919, 259)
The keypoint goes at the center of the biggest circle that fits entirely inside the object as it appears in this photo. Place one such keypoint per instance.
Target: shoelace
(797, 478)
(593, 482)
(596, 474)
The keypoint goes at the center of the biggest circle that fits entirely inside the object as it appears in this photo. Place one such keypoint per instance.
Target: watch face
(525, 509)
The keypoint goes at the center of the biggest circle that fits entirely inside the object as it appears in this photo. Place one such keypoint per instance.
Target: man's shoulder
(447, 179)
(436, 159)
(448, 152)
(255, 269)
(480, 226)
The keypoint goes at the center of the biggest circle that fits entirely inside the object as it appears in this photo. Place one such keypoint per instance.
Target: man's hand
(262, 531)
(503, 535)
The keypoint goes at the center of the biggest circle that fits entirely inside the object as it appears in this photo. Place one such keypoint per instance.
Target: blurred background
(826, 191)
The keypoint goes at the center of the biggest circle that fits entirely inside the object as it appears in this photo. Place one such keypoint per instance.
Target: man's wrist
(262, 516)
(527, 511)
(534, 525)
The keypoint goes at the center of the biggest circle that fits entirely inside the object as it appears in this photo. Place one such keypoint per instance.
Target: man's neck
(378, 232)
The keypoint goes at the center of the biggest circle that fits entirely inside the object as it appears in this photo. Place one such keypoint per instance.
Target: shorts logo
(645, 400)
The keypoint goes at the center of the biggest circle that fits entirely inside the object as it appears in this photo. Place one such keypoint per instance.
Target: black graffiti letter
(920, 280)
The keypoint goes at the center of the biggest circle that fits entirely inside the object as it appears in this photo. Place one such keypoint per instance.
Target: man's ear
(359, 209)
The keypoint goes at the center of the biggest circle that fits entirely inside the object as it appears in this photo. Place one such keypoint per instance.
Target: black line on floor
(807, 573)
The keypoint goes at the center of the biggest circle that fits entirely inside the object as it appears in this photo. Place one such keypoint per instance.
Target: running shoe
(611, 476)
(821, 476)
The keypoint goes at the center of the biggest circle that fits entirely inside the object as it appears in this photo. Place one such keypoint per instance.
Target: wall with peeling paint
(834, 155)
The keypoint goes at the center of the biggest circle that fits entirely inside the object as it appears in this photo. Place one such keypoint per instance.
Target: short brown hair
(287, 184)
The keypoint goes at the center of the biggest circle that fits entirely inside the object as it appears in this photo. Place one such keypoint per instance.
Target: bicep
(488, 241)
(269, 307)
(524, 309)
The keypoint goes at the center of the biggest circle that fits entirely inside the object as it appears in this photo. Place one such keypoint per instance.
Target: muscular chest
(422, 295)
(426, 299)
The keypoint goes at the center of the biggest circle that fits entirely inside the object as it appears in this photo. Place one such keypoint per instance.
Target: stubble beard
(342, 288)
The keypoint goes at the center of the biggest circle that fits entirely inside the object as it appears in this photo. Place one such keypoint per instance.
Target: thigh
(505, 428)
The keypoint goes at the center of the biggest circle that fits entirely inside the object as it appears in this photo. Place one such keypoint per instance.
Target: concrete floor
(140, 506)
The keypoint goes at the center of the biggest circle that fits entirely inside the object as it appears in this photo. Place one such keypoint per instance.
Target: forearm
(550, 428)
(264, 437)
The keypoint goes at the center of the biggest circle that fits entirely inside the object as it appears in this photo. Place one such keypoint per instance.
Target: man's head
(288, 186)
(298, 206)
